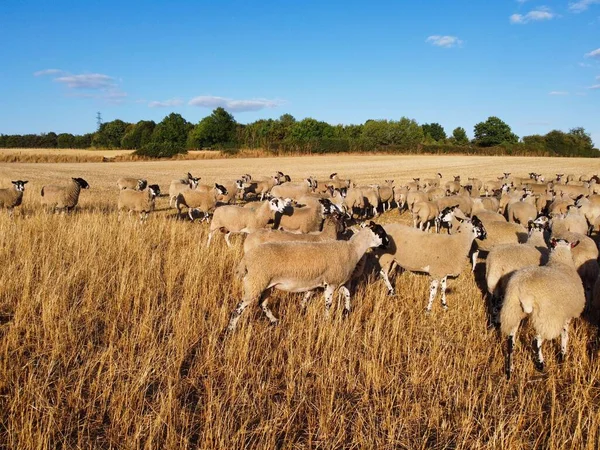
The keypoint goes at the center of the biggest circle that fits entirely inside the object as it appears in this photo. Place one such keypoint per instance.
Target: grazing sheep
(438, 255)
(237, 219)
(551, 295)
(303, 267)
(132, 183)
(332, 227)
(9, 198)
(200, 200)
(138, 201)
(178, 186)
(63, 197)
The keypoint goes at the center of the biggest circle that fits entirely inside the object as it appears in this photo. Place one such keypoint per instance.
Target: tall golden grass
(111, 336)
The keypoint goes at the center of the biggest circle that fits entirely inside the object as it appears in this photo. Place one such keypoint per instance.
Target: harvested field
(111, 333)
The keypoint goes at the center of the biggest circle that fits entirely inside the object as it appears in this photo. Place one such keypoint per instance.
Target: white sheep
(332, 227)
(12, 197)
(424, 214)
(438, 255)
(178, 186)
(550, 295)
(237, 219)
(522, 211)
(303, 267)
(138, 201)
(200, 200)
(305, 219)
(63, 197)
(132, 183)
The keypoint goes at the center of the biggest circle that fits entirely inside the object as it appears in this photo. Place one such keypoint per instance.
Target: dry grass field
(111, 334)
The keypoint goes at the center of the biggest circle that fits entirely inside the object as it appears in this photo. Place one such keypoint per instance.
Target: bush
(164, 149)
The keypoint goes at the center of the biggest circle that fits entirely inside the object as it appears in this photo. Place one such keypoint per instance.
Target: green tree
(435, 131)
(404, 133)
(460, 136)
(584, 138)
(494, 132)
(109, 134)
(218, 129)
(65, 140)
(138, 135)
(168, 137)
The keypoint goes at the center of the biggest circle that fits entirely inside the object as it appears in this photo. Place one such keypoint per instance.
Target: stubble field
(111, 334)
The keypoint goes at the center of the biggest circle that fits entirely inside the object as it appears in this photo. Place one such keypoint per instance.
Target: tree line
(220, 131)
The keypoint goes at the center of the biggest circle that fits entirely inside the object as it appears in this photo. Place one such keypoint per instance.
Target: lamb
(237, 219)
(200, 200)
(178, 186)
(453, 187)
(424, 213)
(10, 198)
(303, 267)
(551, 295)
(138, 201)
(332, 227)
(63, 197)
(400, 194)
(432, 182)
(355, 201)
(438, 255)
(386, 194)
(260, 187)
(306, 219)
(132, 183)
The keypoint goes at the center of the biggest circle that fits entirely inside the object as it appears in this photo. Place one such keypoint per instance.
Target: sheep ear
(574, 244)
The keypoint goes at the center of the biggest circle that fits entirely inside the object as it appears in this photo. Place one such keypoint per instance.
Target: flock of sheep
(541, 261)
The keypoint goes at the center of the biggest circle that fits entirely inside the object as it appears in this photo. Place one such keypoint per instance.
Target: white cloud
(87, 81)
(581, 64)
(88, 85)
(166, 103)
(209, 101)
(444, 41)
(40, 73)
(558, 93)
(532, 16)
(582, 5)
(595, 86)
(593, 54)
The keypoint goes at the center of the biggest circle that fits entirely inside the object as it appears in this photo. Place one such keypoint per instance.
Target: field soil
(111, 333)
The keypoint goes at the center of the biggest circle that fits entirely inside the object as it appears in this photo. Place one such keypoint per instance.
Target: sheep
(590, 209)
(432, 182)
(400, 194)
(559, 206)
(551, 295)
(453, 187)
(261, 186)
(415, 196)
(424, 213)
(178, 186)
(570, 191)
(585, 256)
(355, 201)
(237, 219)
(305, 219)
(503, 260)
(475, 184)
(132, 183)
(10, 198)
(293, 190)
(200, 200)
(484, 204)
(303, 267)
(521, 212)
(63, 197)
(438, 255)
(332, 227)
(572, 221)
(138, 201)
(435, 193)
(386, 194)
(498, 233)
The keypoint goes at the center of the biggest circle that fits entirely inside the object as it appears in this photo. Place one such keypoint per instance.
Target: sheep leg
(210, 235)
(191, 213)
(427, 226)
(237, 312)
(508, 367)
(346, 293)
(539, 363)
(306, 298)
(384, 274)
(474, 257)
(443, 286)
(328, 299)
(564, 341)
(433, 287)
(227, 240)
(263, 303)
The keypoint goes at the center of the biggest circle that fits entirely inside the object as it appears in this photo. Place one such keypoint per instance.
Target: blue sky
(535, 64)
